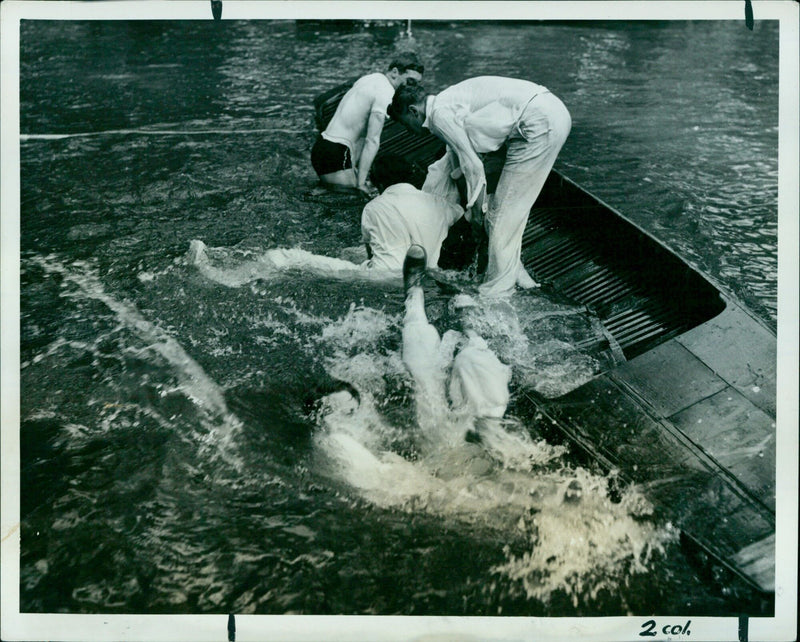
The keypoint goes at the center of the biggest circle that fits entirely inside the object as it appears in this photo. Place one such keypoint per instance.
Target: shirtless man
(344, 152)
(477, 116)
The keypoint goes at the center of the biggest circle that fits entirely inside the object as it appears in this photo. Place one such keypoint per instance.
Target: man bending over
(477, 116)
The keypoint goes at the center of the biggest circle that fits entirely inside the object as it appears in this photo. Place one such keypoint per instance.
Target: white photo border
(25, 626)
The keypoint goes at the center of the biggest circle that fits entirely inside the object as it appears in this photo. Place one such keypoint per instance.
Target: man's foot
(525, 280)
(414, 267)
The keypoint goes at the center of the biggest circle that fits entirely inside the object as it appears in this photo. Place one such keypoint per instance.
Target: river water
(184, 446)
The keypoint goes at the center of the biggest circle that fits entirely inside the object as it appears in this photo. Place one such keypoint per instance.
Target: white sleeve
(366, 219)
(438, 180)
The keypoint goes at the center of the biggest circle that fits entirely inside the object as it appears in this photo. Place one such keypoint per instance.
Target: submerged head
(389, 169)
(408, 107)
(405, 68)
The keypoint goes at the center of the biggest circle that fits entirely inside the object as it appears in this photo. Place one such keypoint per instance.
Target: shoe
(414, 267)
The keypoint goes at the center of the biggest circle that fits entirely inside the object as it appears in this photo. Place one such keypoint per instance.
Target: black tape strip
(743, 633)
(231, 628)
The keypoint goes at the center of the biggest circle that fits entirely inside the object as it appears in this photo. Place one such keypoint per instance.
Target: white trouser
(532, 150)
(479, 382)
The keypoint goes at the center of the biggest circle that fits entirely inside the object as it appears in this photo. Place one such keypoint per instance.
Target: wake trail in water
(219, 422)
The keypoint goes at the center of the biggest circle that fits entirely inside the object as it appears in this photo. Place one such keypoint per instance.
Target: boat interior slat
(602, 289)
(585, 279)
(640, 333)
(601, 302)
(544, 217)
(558, 251)
(566, 268)
(625, 318)
(630, 325)
(565, 261)
(536, 231)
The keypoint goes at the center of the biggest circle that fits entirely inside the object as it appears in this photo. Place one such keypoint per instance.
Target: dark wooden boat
(689, 413)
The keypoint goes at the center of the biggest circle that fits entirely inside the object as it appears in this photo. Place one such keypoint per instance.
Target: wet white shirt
(477, 116)
(369, 94)
(479, 381)
(402, 216)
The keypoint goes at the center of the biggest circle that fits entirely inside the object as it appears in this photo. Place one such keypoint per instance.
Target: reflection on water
(215, 420)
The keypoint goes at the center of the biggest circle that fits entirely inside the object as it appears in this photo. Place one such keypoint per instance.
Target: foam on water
(541, 341)
(401, 450)
(236, 268)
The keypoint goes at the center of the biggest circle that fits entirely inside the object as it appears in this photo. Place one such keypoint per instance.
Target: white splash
(517, 331)
(564, 532)
(234, 269)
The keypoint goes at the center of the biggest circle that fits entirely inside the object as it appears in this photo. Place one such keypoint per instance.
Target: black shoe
(473, 437)
(414, 267)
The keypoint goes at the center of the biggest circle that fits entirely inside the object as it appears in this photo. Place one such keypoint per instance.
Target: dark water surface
(174, 455)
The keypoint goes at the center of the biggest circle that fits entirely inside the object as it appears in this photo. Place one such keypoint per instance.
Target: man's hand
(367, 190)
(479, 208)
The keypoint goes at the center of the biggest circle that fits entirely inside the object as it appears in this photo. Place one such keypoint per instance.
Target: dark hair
(389, 169)
(405, 96)
(405, 61)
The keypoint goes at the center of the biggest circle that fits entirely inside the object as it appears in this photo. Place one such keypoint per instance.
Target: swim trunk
(328, 157)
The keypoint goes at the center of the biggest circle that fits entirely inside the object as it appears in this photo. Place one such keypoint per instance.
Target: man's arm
(439, 179)
(366, 233)
(370, 150)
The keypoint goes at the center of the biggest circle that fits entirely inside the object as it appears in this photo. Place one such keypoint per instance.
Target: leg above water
(420, 339)
(344, 179)
(421, 351)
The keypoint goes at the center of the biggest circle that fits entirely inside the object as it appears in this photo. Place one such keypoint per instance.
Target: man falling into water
(343, 154)
(477, 385)
(477, 116)
(478, 380)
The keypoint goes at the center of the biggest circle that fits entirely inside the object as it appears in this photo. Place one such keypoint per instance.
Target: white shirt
(369, 94)
(402, 216)
(479, 381)
(477, 116)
